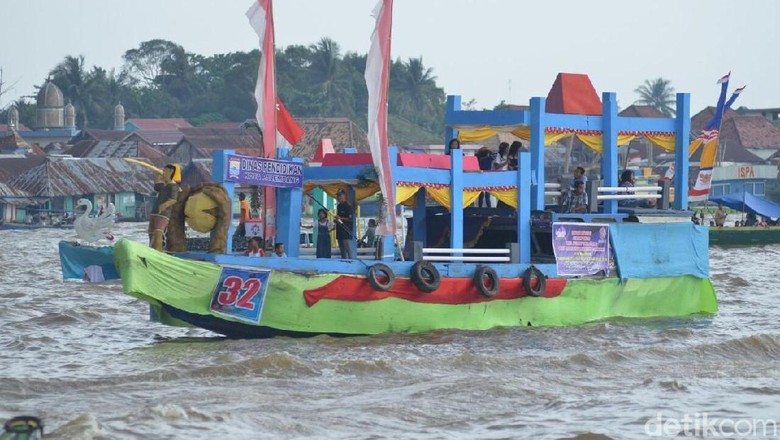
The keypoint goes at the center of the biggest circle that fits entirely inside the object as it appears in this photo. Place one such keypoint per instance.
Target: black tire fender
(480, 275)
(381, 277)
(425, 276)
(541, 283)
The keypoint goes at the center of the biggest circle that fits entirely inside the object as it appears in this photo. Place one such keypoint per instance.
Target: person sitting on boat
(720, 216)
(500, 161)
(279, 250)
(579, 176)
(627, 181)
(750, 219)
(763, 222)
(324, 226)
(485, 159)
(344, 228)
(575, 200)
(167, 187)
(254, 248)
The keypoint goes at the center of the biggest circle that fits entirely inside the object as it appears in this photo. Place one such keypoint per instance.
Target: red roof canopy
(573, 94)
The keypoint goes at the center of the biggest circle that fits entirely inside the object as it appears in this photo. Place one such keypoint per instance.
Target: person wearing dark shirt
(167, 187)
(344, 226)
(485, 160)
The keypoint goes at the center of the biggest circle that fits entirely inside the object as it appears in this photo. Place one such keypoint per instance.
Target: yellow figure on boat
(167, 187)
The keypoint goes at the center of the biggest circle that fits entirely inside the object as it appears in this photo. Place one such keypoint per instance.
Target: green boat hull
(183, 290)
(744, 236)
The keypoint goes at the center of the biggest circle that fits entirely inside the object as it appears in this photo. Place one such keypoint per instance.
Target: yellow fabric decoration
(507, 196)
(404, 195)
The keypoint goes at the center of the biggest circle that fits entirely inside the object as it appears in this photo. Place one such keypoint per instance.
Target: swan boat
(83, 259)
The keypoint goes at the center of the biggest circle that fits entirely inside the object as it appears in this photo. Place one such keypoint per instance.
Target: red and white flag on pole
(261, 18)
(377, 75)
(286, 127)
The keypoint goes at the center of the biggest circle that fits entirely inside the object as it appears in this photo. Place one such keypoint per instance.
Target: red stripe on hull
(452, 291)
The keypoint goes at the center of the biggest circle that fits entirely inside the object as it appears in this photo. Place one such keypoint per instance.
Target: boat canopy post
(388, 239)
(453, 105)
(289, 205)
(419, 218)
(609, 145)
(682, 128)
(524, 206)
(456, 200)
(538, 126)
(218, 170)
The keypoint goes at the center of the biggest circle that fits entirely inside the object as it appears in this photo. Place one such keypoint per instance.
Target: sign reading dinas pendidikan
(581, 248)
(264, 172)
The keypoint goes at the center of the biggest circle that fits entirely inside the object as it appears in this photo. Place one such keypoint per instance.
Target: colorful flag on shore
(377, 75)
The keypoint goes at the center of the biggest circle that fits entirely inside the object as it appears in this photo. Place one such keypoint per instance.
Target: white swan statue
(93, 229)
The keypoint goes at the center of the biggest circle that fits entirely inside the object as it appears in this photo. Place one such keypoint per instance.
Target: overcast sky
(488, 50)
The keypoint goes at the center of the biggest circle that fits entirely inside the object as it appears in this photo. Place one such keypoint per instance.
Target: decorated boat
(753, 206)
(457, 267)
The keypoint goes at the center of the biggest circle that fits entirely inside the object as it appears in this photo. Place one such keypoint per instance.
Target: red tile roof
(751, 131)
(159, 124)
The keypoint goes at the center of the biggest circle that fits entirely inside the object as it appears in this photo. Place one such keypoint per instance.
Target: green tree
(143, 65)
(414, 93)
(331, 86)
(657, 93)
(79, 87)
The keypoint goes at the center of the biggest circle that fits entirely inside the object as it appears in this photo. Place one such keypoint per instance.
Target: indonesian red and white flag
(377, 75)
(261, 19)
(287, 128)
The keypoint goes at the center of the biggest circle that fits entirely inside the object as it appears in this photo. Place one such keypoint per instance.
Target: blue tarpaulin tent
(749, 203)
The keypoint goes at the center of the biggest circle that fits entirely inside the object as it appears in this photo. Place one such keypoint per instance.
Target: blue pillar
(218, 170)
(682, 128)
(388, 240)
(419, 218)
(609, 156)
(538, 126)
(288, 211)
(453, 105)
(524, 206)
(456, 200)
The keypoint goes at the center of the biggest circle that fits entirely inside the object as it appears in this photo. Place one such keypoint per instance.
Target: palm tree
(78, 86)
(657, 93)
(331, 85)
(416, 92)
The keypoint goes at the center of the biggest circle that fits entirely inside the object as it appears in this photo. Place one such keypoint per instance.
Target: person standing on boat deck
(485, 160)
(167, 187)
(344, 228)
(279, 250)
(324, 226)
(627, 181)
(244, 215)
(369, 238)
(512, 155)
(720, 216)
(454, 145)
(575, 200)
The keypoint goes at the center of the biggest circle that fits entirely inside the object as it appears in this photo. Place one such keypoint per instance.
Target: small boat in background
(752, 234)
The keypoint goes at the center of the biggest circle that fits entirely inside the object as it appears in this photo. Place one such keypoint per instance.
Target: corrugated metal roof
(156, 137)
(61, 177)
(7, 190)
(12, 166)
(158, 123)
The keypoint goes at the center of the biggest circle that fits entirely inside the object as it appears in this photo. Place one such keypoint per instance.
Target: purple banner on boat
(581, 248)
(264, 172)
